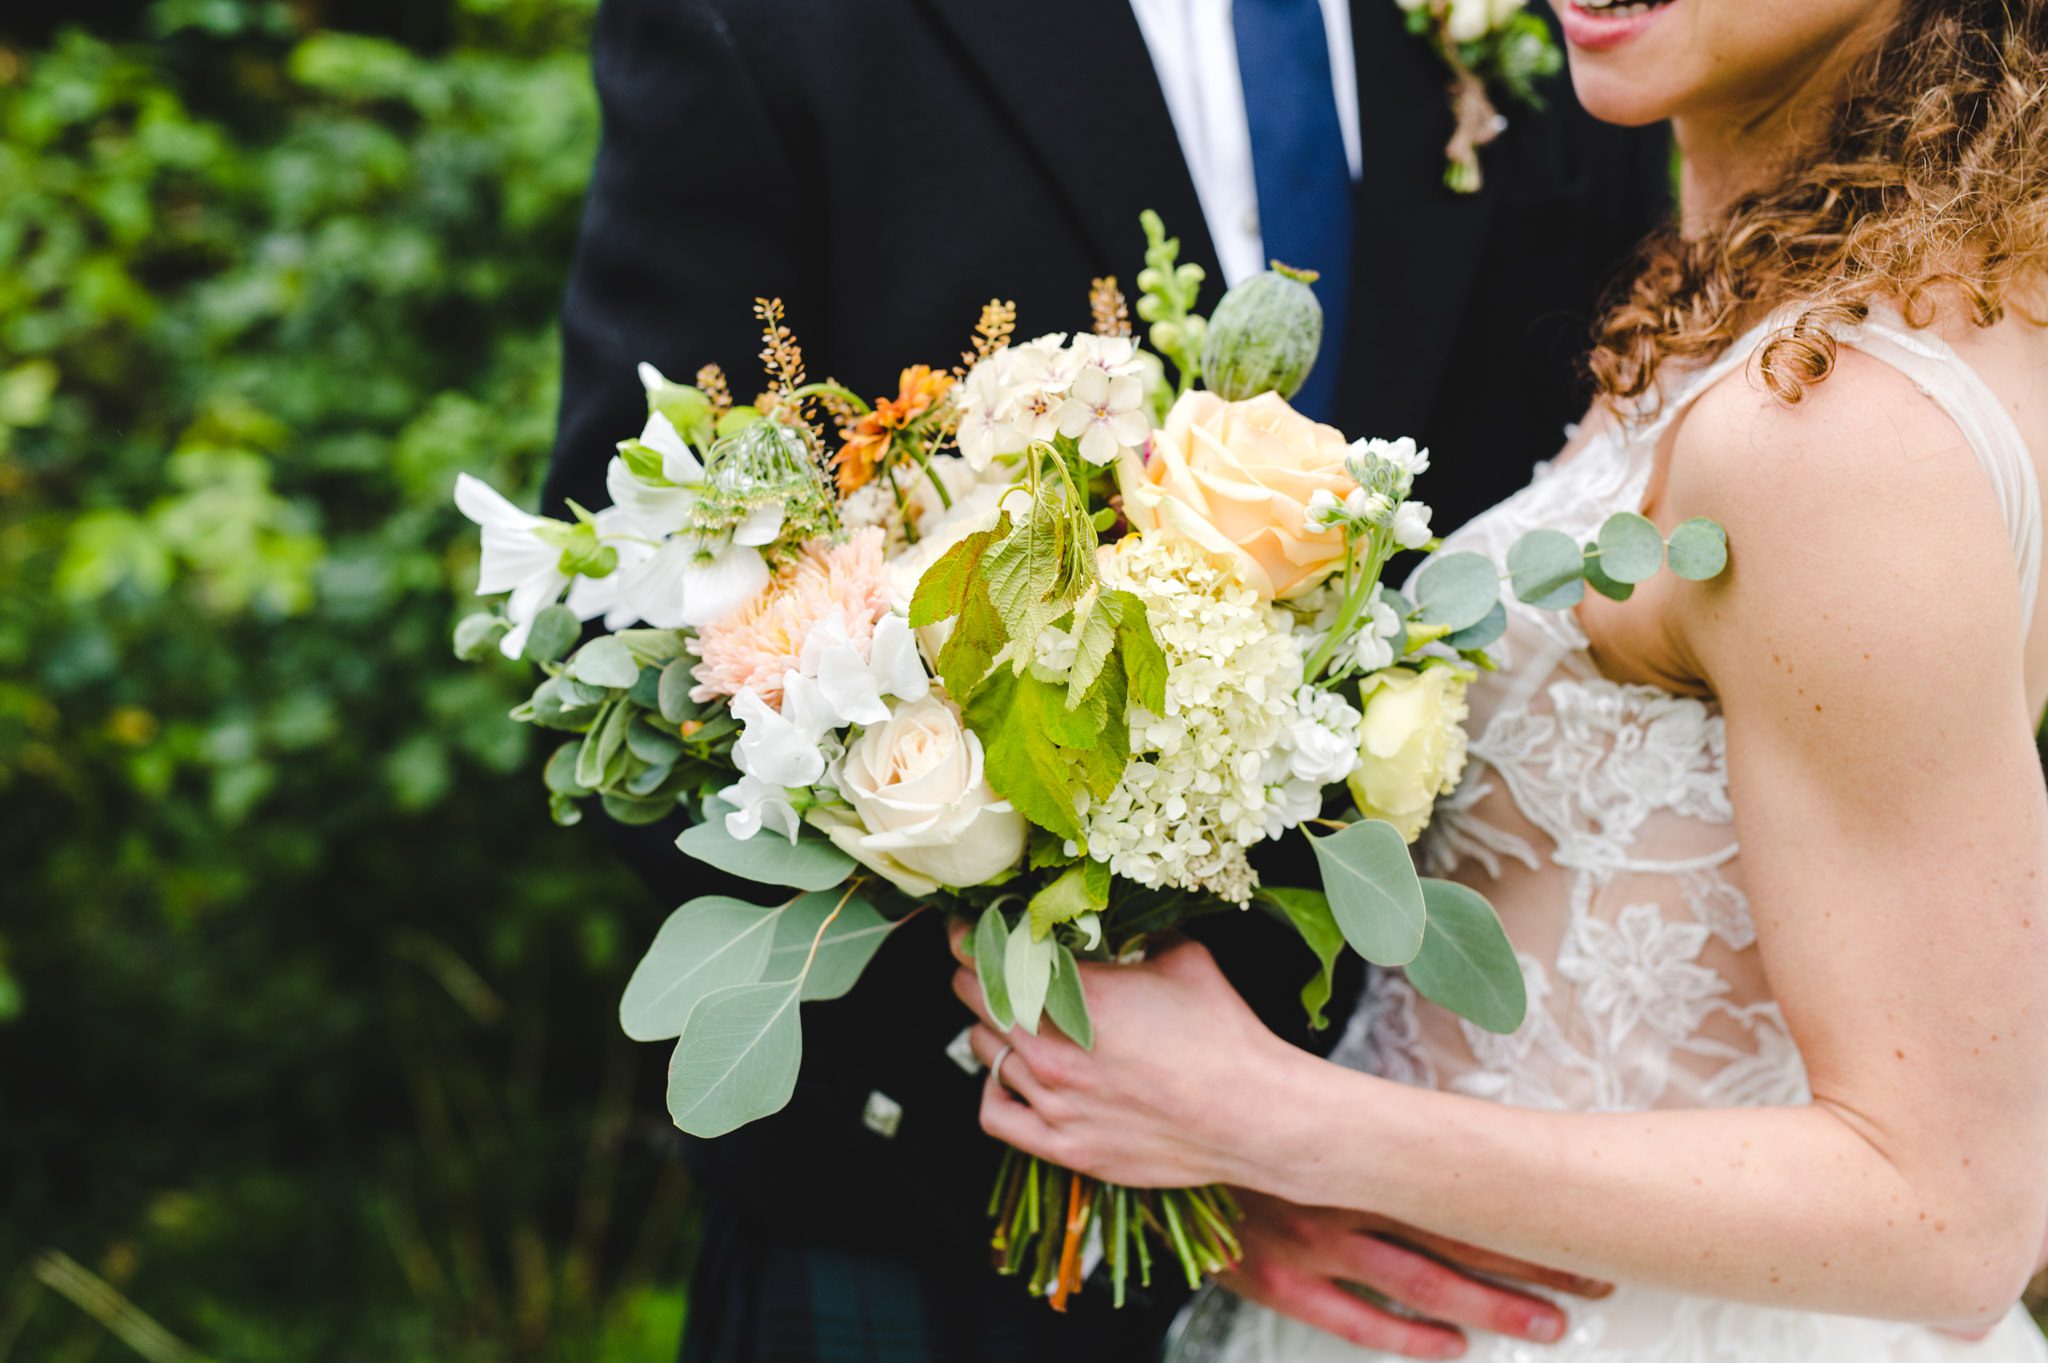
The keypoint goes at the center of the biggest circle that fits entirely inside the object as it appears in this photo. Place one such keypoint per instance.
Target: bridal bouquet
(1050, 641)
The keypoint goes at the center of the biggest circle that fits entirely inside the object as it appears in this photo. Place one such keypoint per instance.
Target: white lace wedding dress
(1595, 815)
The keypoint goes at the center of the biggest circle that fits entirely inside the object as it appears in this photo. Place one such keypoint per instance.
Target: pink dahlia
(753, 646)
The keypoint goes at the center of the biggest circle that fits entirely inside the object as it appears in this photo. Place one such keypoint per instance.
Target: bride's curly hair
(1927, 187)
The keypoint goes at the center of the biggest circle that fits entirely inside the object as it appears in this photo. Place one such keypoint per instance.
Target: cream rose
(922, 814)
(1236, 479)
(1411, 744)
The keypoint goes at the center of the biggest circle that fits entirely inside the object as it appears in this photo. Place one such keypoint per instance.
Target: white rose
(1411, 744)
(1470, 20)
(923, 815)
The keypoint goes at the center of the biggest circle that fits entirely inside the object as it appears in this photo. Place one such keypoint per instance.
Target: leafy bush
(305, 1009)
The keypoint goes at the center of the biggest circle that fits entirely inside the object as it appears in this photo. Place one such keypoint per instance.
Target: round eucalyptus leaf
(606, 662)
(1631, 549)
(1599, 581)
(554, 630)
(560, 772)
(1467, 963)
(478, 635)
(1482, 634)
(646, 692)
(672, 696)
(1548, 568)
(1699, 549)
(1457, 590)
(624, 809)
(1374, 894)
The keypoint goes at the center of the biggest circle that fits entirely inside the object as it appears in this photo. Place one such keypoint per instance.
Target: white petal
(761, 526)
(678, 463)
(714, 588)
(893, 658)
(650, 377)
(805, 707)
(487, 506)
(513, 557)
(771, 748)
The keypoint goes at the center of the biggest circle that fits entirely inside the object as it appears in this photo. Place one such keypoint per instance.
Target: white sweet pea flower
(1411, 525)
(591, 597)
(762, 526)
(851, 686)
(781, 747)
(517, 558)
(1105, 416)
(756, 805)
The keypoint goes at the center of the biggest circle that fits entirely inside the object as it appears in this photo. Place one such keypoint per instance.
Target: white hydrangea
(1243, 750)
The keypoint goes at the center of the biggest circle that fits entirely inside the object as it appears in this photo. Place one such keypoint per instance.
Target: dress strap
(1946, 377)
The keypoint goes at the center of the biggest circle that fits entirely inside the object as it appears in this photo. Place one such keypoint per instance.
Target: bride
(1771, 848)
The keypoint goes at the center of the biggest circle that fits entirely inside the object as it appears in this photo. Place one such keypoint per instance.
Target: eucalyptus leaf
(1457, 591)
(1631, 548)
(604, 741)
(606, 662)
(650, 743)
(672, 696)
(991, 946)
(646, 692)
(1066, 1003)
(843, 952)
(554, 631)
(560, 773)
(1308, 912)
(477, 636)
(1486, 632)
(738, 1059)
(627, 810)
(1373, 890)
(706, 945)
(1467, 963)
(1547, 568)
(809, 863)
(1599, 581)
(1698, 549)
(649, 779)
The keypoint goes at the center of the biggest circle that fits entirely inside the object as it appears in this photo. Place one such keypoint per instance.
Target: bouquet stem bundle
(1045, 1217)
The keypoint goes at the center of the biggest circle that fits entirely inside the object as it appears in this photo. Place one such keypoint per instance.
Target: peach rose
(1235, 479)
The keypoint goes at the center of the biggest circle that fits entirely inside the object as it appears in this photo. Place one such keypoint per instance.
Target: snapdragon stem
(1357, 593)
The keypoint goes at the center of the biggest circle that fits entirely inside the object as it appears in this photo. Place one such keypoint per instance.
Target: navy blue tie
(1298, 159)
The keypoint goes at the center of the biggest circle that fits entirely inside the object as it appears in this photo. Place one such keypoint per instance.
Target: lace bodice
(1596, 817)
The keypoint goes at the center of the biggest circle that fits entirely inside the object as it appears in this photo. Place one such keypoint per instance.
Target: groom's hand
(1298, 1260)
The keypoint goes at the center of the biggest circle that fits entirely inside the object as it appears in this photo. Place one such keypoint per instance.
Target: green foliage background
(306, 1040)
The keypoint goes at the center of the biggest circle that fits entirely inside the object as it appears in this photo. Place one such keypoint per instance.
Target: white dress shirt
(1194, 50)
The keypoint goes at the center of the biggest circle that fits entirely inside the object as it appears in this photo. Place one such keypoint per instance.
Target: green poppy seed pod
(1264, 335)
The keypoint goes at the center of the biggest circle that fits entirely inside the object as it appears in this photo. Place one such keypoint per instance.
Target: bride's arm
(1894, 833)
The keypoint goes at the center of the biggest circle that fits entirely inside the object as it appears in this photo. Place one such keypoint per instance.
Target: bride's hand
(1166, 1097)
(1297, 1261)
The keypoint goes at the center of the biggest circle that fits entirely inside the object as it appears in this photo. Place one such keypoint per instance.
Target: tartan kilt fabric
(757, 1300)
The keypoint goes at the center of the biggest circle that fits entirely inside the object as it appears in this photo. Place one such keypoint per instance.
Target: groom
(886, 166)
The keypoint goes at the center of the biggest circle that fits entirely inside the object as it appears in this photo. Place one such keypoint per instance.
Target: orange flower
(867, 445)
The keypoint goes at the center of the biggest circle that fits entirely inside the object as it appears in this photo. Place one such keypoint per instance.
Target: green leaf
(706, 945)
(1467, 963)
(1373, 890)
(606, 662)
(1027, 974)
(1548, 568)
(1631, 548)
(1698, 549)
(1074, 893)
(809, 863)
(1457, 591)
(1022, 762)
(560, 773)
(1599, 581)
(1094, 630)
(1031, 576)
(627, 810)
(672, 696)
(650, 743)
(1479, 636)
(971, 649)
(738, 1058)
(646, 692)
(477, 636)
(1144, 660)
(1309, 914)
(1066, 1003)
(944, 590)
(601, 745)
(843, 952)
(991, 946)
(554, 630)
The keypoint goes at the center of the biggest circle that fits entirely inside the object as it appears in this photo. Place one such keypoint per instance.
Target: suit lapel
(1416, 245)
(1077, 78)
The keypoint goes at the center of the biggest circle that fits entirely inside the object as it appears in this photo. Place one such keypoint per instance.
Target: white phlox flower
(517, 557)
(1105, 416)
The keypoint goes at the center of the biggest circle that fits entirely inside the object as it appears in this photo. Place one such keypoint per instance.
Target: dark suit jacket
(886, 166)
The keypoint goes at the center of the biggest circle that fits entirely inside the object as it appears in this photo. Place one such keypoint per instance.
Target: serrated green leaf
(1066, 1003)
(606, 662)
(1021, 760)
(737, 1059)
(1027, 974)
(1698, 549)
(1308, 912)
(1029, 575)
(809, 863)
(843, 952)
(1547, 569)
(947, 586)
(1066, 898)
(1456, 591)
(970, 650)
(1095, 633)
(1467, 963)
(554, 630)
(1144, 660)
(1631, 548)
(991, 947)
(1373, 890)
(1047, 849)
(706, 945)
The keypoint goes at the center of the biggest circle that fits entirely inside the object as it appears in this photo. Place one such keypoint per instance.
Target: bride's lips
(1599, 27)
